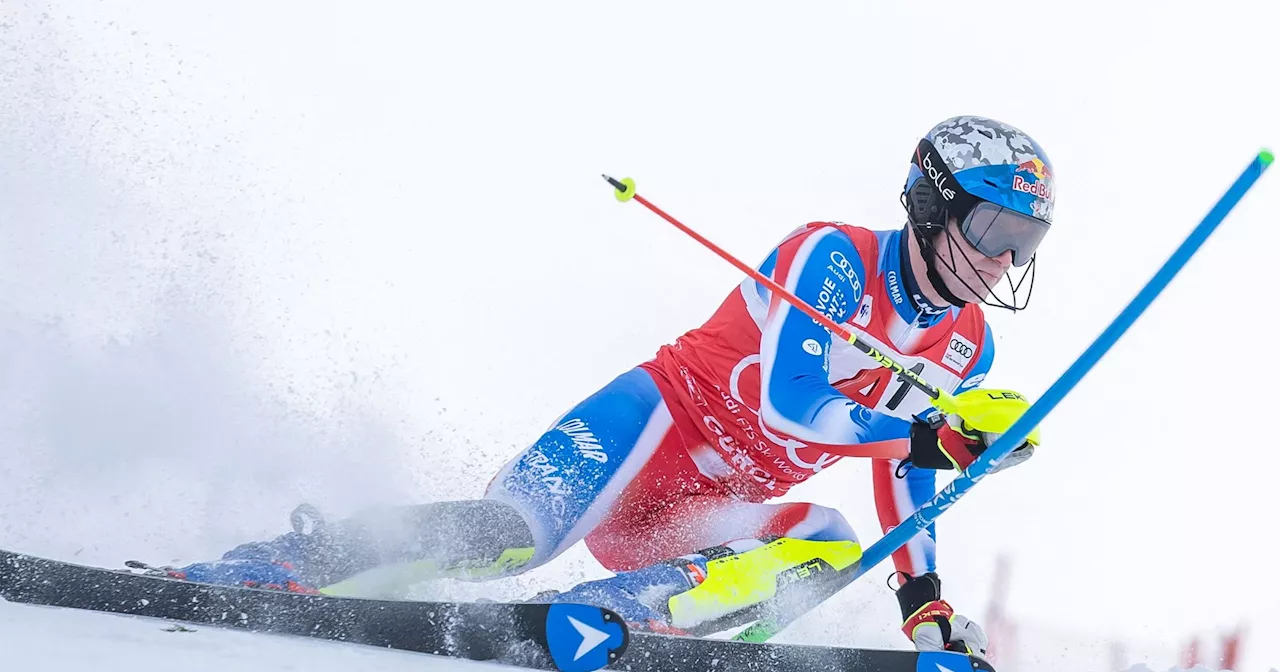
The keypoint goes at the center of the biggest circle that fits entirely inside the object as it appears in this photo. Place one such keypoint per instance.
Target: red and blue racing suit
(686, 451)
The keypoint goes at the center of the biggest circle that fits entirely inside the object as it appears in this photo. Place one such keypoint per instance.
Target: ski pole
(625, 190)
(925, 516)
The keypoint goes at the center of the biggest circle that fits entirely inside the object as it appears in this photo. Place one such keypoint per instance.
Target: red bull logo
(1039, 187)
(1035, 167)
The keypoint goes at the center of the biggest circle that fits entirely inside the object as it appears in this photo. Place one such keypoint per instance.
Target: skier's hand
(931, 624)
(936, 627)
(957, 439)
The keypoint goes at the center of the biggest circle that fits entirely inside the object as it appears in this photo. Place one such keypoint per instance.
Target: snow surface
(48, 638)
(1197, 668)
(247, 263)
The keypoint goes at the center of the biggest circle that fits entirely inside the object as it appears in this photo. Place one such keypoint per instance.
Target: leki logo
(939, 180)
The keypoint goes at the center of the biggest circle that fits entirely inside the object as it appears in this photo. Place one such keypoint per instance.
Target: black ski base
(650, 653)
(510, 633)
(514, 634)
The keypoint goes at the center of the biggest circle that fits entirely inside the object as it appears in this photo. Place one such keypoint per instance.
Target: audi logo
(961, 349)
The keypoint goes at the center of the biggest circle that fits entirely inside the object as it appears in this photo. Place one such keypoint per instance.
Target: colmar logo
(584, 441)
(895, 289)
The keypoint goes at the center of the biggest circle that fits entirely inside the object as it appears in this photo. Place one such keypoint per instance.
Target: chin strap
(931, 271)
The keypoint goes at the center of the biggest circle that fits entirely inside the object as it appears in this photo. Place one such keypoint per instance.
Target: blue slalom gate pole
(923, 517)
(929, 512)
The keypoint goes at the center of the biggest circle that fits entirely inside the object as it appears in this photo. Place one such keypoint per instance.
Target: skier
(666, 473)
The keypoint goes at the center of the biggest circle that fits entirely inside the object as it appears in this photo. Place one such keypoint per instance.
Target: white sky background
(255, 255)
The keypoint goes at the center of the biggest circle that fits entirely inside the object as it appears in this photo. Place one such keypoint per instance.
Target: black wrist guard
(917, 592)
(925, 452)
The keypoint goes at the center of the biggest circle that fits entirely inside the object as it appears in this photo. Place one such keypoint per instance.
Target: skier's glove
(931, 624)
(955, 440)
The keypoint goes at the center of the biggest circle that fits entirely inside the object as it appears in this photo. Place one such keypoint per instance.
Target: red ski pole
(626, 191)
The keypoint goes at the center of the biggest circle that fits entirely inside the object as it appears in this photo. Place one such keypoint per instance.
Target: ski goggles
(993, 229)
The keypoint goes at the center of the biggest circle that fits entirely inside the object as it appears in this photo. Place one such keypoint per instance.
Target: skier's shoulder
(865, 240)
(854, 250)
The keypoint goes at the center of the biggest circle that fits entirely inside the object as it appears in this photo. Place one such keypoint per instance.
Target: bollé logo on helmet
(939, 180)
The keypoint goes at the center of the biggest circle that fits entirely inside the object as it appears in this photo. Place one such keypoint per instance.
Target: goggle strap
(937, 195)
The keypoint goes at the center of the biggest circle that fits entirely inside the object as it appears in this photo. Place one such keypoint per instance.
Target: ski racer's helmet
(998, 184)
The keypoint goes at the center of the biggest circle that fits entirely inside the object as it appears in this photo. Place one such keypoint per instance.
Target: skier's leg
(715, 588)
(540, 503)
(423, 541)
(573, 477)
(705, 519)
(721, 585)
(560, 488)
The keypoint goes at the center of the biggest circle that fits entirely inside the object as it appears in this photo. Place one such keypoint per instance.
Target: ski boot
(470, 540)
(376, 553)
(717, 588)
(269, 565)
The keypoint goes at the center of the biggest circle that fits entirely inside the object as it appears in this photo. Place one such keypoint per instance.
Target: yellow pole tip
(624, 195)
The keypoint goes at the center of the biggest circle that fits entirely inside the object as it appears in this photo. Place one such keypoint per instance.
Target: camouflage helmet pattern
(995, 162)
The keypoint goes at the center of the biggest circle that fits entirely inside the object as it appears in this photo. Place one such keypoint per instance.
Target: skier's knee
(819, 523)
(828, 525)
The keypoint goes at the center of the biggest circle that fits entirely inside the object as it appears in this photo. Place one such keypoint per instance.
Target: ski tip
(1266, 156)
(981, 665)
(582, 638)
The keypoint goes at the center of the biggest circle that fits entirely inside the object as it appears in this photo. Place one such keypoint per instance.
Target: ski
(653, 653)
(567, 637)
